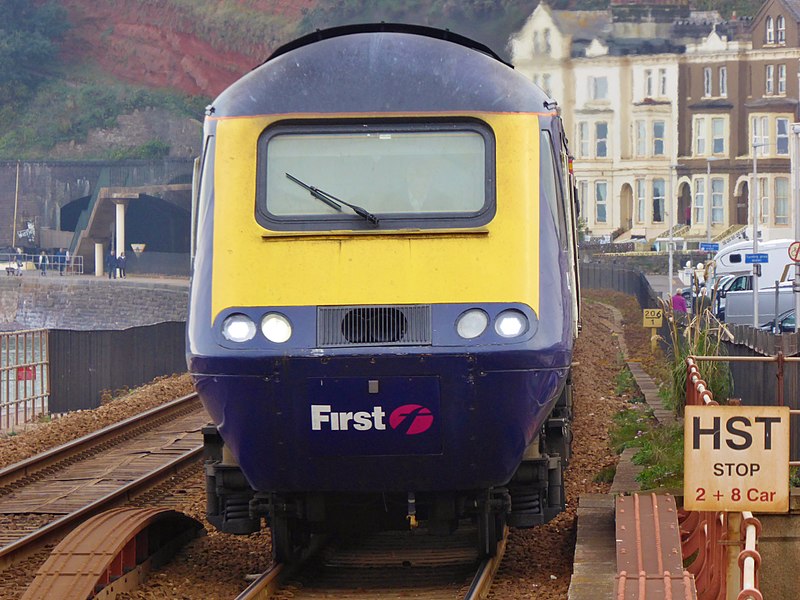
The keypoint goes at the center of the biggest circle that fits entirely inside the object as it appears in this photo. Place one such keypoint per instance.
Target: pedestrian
(62, 261)
(111, 263)
(121, 265)
(43, 261)
(679, 302)
(67, 261)
(19, 262)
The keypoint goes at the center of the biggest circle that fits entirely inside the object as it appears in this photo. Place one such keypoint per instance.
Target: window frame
(699, 136)
(659, 200)
(717, 201)
(698, 200)
(598, 140)
(769, 37)
(659, 140)
(723, 81)
(641, 200)
(769, 80)
(640, 137)
(781, 29)
(782, 216)
(598, 204)
(707, 83)
(351, 222)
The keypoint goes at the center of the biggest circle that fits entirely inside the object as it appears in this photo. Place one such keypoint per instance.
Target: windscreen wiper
(335, 202)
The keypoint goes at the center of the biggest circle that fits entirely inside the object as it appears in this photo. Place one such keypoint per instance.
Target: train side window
(735, 258)
(549, 184)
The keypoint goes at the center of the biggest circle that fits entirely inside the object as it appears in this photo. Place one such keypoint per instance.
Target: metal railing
(17, 264)
(24, 377)
(705, 533)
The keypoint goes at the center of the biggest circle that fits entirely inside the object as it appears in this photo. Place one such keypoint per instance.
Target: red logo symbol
(411, 419)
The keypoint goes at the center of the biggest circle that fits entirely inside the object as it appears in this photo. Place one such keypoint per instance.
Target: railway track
(385, 565)
(47, 495)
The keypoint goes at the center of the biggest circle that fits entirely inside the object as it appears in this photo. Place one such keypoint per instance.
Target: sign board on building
(709, 246)
(736, 458)
(653, 317)
(756, 258)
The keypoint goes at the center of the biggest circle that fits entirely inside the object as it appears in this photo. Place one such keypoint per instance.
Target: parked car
(785, 323)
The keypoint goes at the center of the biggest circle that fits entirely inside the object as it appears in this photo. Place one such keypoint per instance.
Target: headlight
(238, 328)
(276, 328)
(511, 323)
(472, 323)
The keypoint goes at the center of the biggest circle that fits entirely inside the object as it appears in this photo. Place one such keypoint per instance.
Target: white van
(730, 260)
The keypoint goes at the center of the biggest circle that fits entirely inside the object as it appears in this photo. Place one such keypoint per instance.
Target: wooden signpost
(653, 319)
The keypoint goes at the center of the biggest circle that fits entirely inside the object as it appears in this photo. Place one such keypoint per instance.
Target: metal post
(708, 200)
(672, 233)
(16, 204)
(795, 167)
(754, 210)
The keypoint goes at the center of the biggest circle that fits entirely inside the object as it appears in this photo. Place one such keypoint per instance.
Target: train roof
(381, 68)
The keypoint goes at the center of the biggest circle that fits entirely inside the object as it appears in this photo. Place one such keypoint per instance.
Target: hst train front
(384, 298)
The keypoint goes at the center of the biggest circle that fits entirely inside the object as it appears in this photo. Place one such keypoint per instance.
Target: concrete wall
(87, 303)
(46, 186)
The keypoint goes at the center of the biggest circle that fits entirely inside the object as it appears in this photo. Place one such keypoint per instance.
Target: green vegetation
(30, 34)
(75, 110)
(702, 336)
(660, 447)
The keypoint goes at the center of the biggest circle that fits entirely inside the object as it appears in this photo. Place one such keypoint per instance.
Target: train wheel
(285, 548)
(487, 533)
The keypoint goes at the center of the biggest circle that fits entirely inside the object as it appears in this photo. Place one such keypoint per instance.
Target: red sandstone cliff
(159, 43)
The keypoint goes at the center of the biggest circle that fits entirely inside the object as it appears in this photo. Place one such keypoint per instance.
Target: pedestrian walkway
(595, 565)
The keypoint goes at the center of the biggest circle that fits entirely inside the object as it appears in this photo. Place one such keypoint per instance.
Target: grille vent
(389, 325)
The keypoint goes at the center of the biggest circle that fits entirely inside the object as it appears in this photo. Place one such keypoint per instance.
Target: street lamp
(795, 169)
(754, 212)
(672, 227)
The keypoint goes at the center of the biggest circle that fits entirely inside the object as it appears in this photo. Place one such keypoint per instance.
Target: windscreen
(387, 173)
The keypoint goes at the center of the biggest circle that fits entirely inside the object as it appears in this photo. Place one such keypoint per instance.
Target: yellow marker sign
(736, 458)
(653, 317)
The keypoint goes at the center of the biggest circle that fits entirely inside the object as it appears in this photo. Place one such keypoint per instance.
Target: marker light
(276, 328)
(238, 328)
(511, 323)
(472, 323)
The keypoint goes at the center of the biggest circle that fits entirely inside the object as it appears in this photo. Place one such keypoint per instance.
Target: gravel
(538, 561)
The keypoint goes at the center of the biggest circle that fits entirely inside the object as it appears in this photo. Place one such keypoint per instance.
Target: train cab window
(381, 176)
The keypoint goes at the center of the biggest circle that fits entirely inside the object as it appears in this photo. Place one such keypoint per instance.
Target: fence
(24, 377)
(16, 264)
(85, 363)
(602, 276)
(705, 533)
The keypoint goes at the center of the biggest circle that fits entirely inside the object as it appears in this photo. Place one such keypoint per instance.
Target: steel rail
(482, 582)
(265, 585)
(87, 443)
(25, 546)
(268, 584)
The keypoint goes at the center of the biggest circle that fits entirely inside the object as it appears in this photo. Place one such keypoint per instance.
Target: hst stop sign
(736, 458)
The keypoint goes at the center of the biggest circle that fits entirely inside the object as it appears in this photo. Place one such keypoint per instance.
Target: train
(385, 297)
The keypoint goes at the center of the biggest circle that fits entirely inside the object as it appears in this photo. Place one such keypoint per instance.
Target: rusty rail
(749, 558)
(704, 534)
